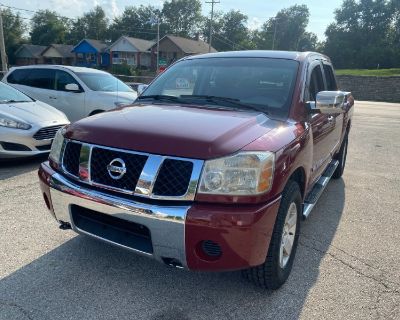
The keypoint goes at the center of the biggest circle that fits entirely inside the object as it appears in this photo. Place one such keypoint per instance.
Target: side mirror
(141, 88)
(72, 87)
(331, 102)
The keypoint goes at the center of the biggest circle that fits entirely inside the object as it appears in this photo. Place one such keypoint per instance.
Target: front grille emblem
(116, 169)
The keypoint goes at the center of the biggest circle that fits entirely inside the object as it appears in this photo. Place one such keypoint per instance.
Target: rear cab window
(330, 78)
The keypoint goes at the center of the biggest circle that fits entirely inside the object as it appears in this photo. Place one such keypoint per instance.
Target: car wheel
(273, 273)
(341, 156)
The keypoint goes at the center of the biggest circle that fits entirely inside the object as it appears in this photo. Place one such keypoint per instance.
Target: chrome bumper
(166, 223)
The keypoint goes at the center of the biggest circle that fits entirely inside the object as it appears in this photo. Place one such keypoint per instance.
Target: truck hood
(182, 131)
(35, 112)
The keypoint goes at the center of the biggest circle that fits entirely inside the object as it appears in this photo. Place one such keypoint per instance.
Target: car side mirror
(330, 102)
(72, 87)
(141, 88)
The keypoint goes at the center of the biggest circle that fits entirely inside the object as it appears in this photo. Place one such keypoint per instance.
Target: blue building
(91, 53)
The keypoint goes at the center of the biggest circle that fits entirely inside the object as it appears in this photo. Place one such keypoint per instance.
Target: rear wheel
(282, 249)
(341, 156)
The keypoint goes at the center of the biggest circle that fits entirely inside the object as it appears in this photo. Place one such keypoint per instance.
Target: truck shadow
(86, 279)
(14, 167)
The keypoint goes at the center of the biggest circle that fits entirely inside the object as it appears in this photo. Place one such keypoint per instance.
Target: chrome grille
(173, 178)
(47, 133)
(145, 175)
(102, 157)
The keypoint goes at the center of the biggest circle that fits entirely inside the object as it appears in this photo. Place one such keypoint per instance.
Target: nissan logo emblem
(116, 169)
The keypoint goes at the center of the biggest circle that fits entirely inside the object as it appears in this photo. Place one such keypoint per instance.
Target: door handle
(52, 98)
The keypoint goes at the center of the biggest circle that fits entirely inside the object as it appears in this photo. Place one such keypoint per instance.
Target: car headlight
(9, 122)
(245, 173)
(57, 145)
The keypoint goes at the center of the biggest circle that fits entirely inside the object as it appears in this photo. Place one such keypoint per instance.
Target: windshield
(262, 83)
(103, 82)
(9, 94)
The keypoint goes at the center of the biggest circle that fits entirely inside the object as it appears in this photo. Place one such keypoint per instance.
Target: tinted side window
(316, 83)
(330, 78)
(18, 76)
(62, 79)
(41, 78)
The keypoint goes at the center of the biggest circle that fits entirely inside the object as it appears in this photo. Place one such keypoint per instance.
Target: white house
(131, 51)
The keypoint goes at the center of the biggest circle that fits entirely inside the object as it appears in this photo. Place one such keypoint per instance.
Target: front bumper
(24, 138)
(242, 232)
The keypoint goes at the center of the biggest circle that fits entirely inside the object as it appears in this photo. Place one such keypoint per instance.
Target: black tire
(270, 274)
(341, 156)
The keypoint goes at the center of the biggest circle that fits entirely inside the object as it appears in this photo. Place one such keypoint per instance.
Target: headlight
(56, 147)
(6, 121)
(246, 173)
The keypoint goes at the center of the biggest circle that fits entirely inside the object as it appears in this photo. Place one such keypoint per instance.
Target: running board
(319, 188)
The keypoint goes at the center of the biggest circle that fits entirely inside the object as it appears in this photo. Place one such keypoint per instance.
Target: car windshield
(103, 82)
(262, 84)
(9, 94)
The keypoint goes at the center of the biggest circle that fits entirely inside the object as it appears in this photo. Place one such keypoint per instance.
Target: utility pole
(158, 43)
(2, 46)
(212, 2)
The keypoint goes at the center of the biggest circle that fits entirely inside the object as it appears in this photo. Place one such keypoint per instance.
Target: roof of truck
(289, 55)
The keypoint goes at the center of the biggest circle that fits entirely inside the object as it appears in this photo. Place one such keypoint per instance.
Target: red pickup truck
(212, 168)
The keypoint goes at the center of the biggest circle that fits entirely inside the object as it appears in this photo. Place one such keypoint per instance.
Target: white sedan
(27, 126)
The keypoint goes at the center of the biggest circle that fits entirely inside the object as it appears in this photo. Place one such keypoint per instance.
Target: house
(173, 48)
(131, 51)
(91, 53)
(28, 54)
(59, 54)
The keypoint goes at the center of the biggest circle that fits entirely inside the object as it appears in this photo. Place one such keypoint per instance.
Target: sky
(258, 11)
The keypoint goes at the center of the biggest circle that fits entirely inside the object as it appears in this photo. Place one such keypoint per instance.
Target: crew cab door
(322, 125)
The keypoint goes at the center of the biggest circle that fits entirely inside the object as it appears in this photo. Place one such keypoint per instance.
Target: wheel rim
(288, 235)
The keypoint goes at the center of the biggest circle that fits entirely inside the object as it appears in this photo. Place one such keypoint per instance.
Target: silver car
(27, 127)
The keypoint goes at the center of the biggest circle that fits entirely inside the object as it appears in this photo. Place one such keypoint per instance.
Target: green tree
(47, 28)
(92, 25)
(287, 30)
(230, 31)
(362, 35)
(183, 17)
(13, 27)
(137, 22)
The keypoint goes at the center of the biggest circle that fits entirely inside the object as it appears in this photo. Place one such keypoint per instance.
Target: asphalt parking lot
(347, 264)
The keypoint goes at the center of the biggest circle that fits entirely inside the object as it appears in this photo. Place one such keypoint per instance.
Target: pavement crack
(389, 285)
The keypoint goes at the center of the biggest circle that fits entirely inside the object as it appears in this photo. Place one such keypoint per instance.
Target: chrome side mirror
(72, 87)
(330, 102)
(141, 88)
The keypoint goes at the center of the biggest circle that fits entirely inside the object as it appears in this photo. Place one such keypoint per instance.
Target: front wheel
(273, 273)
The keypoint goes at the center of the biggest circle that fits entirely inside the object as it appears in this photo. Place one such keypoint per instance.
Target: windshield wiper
(13, 101)
(161, 97)
(232, 101)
